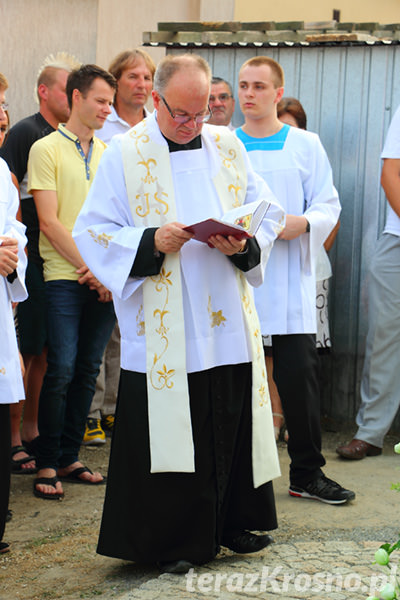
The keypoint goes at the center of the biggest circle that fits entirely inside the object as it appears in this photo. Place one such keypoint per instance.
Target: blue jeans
(79, 327)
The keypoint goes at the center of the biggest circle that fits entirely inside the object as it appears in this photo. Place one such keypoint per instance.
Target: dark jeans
(79, 327)
(296, 366)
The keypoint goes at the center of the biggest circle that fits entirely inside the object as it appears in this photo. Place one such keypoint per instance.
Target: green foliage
(391, 590)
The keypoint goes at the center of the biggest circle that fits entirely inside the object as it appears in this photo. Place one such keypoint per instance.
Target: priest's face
(186, 95)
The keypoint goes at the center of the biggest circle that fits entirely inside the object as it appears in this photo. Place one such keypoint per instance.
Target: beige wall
(33, 29)
(217, 10)
(92, 30)
(358, 11)
(121, 29)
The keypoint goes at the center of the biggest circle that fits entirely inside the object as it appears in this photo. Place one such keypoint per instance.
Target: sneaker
(323, 489)
(107, 424)
(94, 435)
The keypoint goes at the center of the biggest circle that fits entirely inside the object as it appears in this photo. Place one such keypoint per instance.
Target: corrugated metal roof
(271, 34)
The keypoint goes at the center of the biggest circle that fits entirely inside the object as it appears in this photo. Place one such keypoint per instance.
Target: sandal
(30, 446)
(75, 477)
(16, 464)
(47, 481)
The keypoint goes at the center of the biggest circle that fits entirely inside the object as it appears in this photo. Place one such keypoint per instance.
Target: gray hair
(216, 80)
(171, 64)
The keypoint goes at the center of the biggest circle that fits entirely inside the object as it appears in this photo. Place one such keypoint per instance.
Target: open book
(241, 222)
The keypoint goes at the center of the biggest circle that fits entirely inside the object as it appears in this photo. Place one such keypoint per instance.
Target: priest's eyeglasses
(182, 119)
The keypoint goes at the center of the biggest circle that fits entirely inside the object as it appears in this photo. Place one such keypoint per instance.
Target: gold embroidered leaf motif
(162, 282)
(162, 279)
(246, 303)
(140, 325)
(148, 178)
(100, 238)
(229, 161)
(236, 189)
(163, 329)
(263, 395)
(3, 371)
(165, 376)
(217, 318)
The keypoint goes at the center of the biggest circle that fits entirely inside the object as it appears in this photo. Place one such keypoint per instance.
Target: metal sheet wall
(350, 94)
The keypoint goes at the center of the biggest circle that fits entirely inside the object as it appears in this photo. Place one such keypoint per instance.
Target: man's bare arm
(59, 237)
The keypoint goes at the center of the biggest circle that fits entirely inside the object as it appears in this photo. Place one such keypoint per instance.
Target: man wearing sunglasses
(191, 464)
(222, 102)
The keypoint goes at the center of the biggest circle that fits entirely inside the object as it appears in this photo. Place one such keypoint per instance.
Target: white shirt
(391, 149)
(208, 277)
(11, 384)
(114, 125)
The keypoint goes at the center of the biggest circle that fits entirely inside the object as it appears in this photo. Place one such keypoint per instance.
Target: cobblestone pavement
(320, 551)
(331, 570)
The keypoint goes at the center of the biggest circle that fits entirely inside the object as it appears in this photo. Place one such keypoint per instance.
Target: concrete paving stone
(333, 577)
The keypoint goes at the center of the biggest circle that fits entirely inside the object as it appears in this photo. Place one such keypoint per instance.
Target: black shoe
(175, 566)
(244, 542)
(323, 489)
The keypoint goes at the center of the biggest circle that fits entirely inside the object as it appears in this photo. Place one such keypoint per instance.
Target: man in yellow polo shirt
(80, 313)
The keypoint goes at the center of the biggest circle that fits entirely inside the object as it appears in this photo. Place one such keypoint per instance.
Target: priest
(193, 452)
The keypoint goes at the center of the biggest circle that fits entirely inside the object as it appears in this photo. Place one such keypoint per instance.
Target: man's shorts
(31, 314)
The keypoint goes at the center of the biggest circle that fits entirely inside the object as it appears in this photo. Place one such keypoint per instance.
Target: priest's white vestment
(216, 339)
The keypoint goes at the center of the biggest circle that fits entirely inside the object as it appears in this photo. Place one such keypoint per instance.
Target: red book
(241, 222)
(204, 229)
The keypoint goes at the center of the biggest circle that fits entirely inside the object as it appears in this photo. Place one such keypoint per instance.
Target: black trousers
(296, 365)
(5, 464)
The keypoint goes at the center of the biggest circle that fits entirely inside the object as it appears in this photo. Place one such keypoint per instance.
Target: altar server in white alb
(295, 166)
(12, 289)
(193, 451)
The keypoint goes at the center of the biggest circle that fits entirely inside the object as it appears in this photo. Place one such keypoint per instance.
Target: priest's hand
(295, 225)
(227, 245)
(170, 238)
(8, 255)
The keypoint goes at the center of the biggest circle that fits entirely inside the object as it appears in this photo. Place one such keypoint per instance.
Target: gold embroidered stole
(232, 178)
(151, 196)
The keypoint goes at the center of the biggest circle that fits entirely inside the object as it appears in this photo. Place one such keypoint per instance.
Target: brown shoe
(358, 449)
